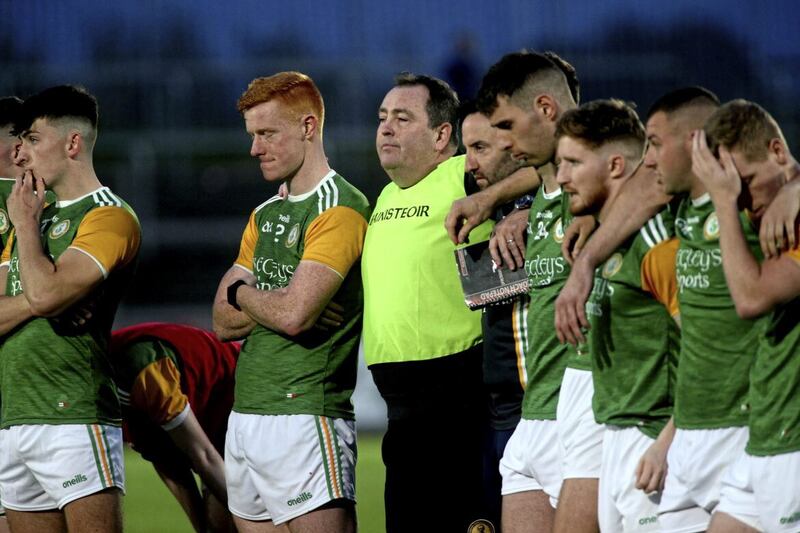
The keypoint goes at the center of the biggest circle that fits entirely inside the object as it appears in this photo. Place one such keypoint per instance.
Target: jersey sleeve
(793, 253)
(109, 235)
(658, 274)
(6, 257)
(156, 391)
(248, 245)
(336, 239)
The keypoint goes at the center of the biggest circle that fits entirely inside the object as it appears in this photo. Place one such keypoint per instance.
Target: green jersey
(5, 222)
(717, 347)
(314, 372)
(633, 338)
(547, 270)
(51, 373)
(775, 382)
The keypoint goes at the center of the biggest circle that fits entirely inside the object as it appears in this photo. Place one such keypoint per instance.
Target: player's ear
(310, 125)
(616, 166)
(443, 133)
(546, 106)
(74, 143)
(777, 149)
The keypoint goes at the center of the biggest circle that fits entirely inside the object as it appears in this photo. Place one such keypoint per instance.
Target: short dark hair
(513, 72)
(10, 110)
(569, 72)
(467, 108)
(442, 106)
(683, 97)
(62, 101)
(601, 122)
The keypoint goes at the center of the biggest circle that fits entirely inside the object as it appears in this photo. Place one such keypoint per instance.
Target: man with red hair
(291, 446)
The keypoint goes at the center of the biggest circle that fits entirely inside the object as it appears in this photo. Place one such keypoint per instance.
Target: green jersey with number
(547, 271)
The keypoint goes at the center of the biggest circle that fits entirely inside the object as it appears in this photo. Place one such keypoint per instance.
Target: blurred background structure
(167, 74)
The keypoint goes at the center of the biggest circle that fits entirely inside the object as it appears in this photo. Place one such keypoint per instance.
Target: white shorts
(580, 437)
(620, 505)
(45, 467)
(697, 460)
(530, 461)
(284, 466)
(763, 492)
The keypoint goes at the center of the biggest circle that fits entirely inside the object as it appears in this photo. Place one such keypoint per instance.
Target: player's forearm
(14, 310)
(230, 324)
(210, 467)
(37, 272)
(191, 439)
(742, 270)
(509, 189)
(277, 310)
(637, 203)
(183, 487)
(668, 433)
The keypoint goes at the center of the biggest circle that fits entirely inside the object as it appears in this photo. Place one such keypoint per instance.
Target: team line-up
(648, 381)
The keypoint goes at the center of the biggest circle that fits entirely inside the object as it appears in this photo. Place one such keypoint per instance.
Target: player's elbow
(752, 308)
(44, 305)
(296, 326)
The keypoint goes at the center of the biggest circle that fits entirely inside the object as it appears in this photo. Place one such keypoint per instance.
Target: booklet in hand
(485, 284)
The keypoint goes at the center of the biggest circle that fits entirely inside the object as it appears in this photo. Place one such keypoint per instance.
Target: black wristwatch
(232, 288)
(523, 202)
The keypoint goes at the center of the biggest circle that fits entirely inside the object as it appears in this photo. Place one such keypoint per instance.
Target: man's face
(669, 153)
(487, 162)
(278, 139)
(9, 144)
(44, 151)
(583, 173)
(761, 181)
(525, 134)
(405, 143)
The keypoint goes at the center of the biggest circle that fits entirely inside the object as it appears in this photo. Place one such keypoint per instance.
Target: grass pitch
(149, 507)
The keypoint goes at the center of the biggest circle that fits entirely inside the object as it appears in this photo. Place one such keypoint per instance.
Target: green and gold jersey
(633, 338)
(51, 373)
(5, 222)
(314, 372)
(547, 271)
(717, 347)
(775, 382)
(414, 306)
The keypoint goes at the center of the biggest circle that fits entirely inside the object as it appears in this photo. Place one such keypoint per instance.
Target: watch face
(524, 202)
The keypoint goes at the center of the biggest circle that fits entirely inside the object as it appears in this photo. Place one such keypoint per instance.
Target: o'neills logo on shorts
(79, 478)
(304, 497)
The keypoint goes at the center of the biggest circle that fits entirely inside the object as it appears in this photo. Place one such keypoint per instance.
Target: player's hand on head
(719, 177)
